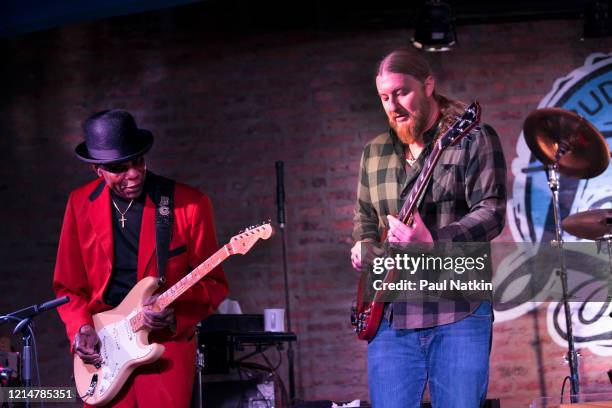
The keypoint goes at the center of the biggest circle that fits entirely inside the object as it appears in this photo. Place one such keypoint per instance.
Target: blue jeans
(453, 357)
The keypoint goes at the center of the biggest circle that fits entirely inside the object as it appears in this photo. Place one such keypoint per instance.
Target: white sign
(588, 92)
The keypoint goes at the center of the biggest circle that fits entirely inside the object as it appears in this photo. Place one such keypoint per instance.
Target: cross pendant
(123, 220)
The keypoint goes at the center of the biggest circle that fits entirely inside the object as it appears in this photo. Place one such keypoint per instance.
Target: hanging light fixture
(435, 27)
(597, 18)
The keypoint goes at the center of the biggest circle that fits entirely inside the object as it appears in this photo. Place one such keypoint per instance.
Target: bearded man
(445, 344)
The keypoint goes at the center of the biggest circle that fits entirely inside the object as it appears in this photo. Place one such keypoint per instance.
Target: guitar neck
(468, 120)
(418, 189)
(180, 287)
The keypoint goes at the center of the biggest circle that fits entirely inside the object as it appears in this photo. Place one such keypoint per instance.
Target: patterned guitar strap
(164, 217)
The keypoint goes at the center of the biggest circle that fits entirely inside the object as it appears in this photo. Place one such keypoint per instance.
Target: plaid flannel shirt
(465, 202)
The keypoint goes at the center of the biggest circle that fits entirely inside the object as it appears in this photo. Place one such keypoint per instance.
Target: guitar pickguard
(118, 346)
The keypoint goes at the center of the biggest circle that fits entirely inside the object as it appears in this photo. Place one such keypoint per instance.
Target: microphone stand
(197, 401)
(24, 318)
(280, 202)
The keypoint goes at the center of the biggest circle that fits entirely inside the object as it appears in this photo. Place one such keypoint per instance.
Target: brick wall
(224, 107)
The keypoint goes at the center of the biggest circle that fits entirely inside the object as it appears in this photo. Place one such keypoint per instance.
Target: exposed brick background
(224, 107)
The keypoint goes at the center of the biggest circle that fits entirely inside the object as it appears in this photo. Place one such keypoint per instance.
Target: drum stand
(608, 239)
(567, 144)
(572, 357)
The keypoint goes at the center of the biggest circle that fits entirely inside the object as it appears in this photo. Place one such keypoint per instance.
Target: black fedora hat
(111, 136)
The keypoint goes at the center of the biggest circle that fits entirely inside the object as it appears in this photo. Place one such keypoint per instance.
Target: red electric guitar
(366, 315)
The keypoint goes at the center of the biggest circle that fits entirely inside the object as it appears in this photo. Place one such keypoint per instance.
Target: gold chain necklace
(123, 219)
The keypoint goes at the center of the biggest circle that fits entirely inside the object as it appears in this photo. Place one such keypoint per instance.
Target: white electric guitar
(124, 343)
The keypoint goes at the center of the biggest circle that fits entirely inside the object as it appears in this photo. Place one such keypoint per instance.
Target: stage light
(435, 27)
(597, 18)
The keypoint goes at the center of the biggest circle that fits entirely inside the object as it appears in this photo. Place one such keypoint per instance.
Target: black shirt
(125, 240)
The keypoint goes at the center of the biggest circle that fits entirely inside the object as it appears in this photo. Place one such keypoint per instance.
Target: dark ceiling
(22, 16)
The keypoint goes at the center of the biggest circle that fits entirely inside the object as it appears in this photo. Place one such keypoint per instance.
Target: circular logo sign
(587, 91)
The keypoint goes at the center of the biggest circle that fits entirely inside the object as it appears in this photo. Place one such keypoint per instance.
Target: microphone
(52, 304)
(34, 310)
(280, 194)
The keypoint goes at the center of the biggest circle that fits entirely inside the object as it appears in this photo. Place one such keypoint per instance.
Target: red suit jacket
(85, 261)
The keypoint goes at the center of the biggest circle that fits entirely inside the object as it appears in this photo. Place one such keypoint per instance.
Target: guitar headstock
(462, 126)
(243, 242)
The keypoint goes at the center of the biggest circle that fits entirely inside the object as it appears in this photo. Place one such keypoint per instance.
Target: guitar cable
(284, 395)
(89, 391)
(243, 397)
(272, 369)
(563, 388)
(277, 380)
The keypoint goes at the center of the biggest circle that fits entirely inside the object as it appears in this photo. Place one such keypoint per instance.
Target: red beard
(411, 130)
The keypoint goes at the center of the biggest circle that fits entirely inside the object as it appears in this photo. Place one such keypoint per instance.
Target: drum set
(569, 145)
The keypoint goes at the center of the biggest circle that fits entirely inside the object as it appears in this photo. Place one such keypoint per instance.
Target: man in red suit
(107, 244)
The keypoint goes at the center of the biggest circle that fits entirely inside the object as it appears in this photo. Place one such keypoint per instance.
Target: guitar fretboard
(420, 184)
(192, 278)
(180, 287)
(469, 119)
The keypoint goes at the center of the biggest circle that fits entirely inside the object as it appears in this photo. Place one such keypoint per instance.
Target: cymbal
(562, 136)
(591, 224)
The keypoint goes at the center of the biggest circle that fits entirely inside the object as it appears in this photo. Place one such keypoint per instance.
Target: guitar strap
(164, 217)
